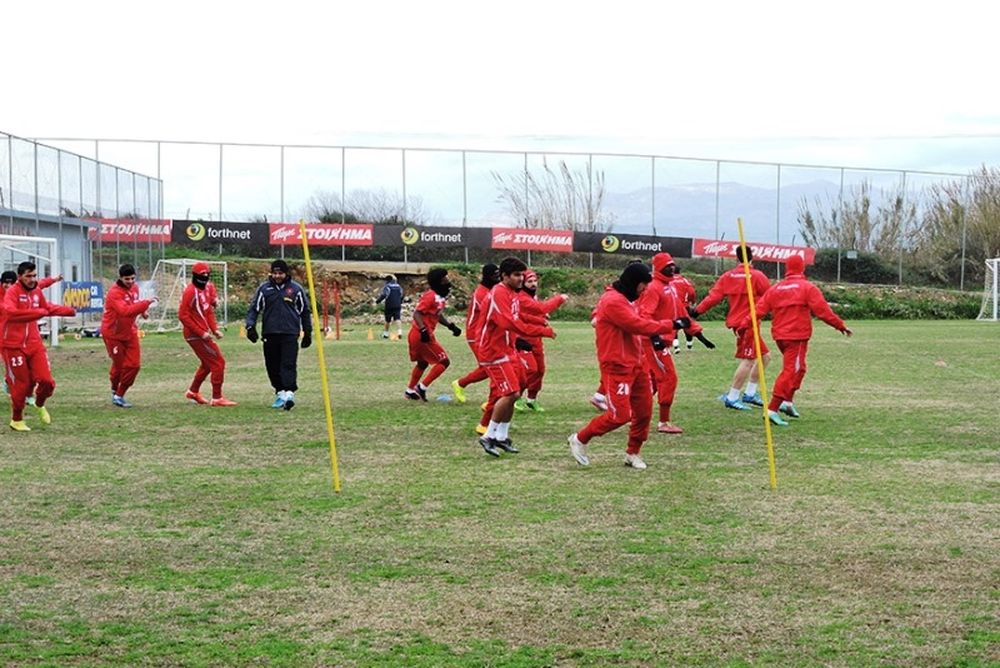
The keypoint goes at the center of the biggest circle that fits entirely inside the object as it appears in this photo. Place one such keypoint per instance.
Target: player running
(197, 313)
(425, 351)
(732, 287)
(793, 301)
(120, 334)
(473, 328)
(24, 352)
(532, 350)
(501, 326)
(618, 328)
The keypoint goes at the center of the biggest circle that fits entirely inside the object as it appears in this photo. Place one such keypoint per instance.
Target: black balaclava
(628, 282)
(491, 275)
(438, 281)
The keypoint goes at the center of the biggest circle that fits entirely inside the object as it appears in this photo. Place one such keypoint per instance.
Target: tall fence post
(777, 221)
(652, 192)
(902, 225)
(718, 173)
(465, 205)
(840, 213)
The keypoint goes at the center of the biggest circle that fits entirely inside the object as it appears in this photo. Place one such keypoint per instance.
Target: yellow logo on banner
(195, 231)
(610, 243)
(410, 235)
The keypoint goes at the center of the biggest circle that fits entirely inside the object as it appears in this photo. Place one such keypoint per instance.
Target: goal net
(167, 284)
(44, 252)
(991, 304)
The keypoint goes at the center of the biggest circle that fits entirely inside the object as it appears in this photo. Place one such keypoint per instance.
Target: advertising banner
(84, 296)
(631, 244)
(206, 232)
(761, 251)
(516, 238)
(129, 230)
(321, 234)
(434, 237)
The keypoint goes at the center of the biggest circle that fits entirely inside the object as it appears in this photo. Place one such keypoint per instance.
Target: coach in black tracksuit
(281, 305)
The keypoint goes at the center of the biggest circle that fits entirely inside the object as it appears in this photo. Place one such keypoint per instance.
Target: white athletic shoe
(635, 461)
(599, 402)
(578, 449)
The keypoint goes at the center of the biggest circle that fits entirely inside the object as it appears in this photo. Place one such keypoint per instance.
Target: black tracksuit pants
(281, 354)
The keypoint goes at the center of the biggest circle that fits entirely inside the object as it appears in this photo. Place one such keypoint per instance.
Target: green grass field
(174, 534)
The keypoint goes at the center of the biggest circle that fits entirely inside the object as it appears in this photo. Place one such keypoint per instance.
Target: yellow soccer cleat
(459, 391)
(481, 430)
(483, 406)
(18, 425)
(43, 414)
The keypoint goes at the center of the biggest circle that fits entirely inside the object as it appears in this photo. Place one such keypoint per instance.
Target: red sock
(664, 412)
(415, 377)
(435, 371)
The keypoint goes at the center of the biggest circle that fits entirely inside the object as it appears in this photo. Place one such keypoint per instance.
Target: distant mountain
(690, 209)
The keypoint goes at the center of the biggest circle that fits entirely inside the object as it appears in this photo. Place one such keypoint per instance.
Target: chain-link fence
(52, 192)
(869, 222)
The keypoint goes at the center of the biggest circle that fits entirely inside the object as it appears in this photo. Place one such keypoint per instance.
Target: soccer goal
(167, 284)
(991, 299)
(44, 252)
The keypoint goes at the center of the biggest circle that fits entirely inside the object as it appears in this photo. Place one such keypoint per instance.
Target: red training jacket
(618, 329)
(685, 290)
(22, 309)
(474, 316)
(794, 301)
(430, 307)
(502, 324)
(536, 311)
(732, 286)
(121, 307)
(197, 311)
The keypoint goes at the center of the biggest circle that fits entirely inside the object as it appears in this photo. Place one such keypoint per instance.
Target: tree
(862, 222)
(969, 207)
(366, 206)
(558, 198)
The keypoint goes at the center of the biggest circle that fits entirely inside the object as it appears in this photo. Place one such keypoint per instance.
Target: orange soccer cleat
(196, 397)
(222, 401)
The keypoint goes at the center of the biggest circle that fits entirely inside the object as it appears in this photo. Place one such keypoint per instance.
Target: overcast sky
(894, 84)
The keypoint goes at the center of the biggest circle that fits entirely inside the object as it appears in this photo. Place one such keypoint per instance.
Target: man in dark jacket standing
(392, 295)
(281, 305)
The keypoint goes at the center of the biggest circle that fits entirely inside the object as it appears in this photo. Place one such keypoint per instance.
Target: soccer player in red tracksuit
(659, 301)
(23, 351)
(532, 351)
(121, 337)
(732, 287)
(425, 350)
(618, 328)
(473, 327)
(502, 325)
(793, 301)
(197, 313)
(7, 279)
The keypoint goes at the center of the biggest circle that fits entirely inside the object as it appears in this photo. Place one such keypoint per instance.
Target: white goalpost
(44, 252)
(990, 309)
(167, 284)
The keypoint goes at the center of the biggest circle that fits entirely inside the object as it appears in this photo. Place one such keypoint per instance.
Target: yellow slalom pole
(322, 359)
(760, 361)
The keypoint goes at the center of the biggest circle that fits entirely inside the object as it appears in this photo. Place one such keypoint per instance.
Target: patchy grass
(179, 534)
